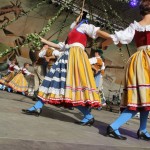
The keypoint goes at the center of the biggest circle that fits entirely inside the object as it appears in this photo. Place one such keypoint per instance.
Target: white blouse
(103, 66)
(54, 53)
(127, 35)
(42, 53)
(93, 60)
(88, 29)
(12, 65)
(26, 71)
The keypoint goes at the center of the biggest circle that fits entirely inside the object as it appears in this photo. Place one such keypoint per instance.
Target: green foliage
(3, 47)
(34, 38)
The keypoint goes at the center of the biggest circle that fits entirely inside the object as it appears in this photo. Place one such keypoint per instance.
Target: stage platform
(55, 128)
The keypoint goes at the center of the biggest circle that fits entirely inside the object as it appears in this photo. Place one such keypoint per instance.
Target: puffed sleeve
(16, 67)
(124, 36)
(56, 53)
(93, 60)
(27, 72)
(103, 66)
(89, 29)
(42, 53)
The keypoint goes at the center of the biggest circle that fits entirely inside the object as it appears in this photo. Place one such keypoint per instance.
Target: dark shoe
(71, 108)
(142, 136)
(89, 123)
(111, 132)
(35, 112)
(35, 99)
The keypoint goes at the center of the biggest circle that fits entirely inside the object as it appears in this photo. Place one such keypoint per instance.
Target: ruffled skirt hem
(70, 103)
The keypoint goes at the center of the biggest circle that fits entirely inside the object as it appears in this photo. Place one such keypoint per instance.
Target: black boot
(35, 112)
(142, 136)
(88, 123)
(111, 132)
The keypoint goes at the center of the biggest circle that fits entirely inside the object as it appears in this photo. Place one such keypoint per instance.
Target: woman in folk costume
(136, 96)
(19, 83)
(70, 81)
(10, 74)
(98, 67)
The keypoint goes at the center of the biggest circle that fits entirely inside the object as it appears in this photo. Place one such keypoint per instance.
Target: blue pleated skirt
(55, 80)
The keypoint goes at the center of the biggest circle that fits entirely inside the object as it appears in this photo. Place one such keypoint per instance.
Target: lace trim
(58, 70)
(67, 102)
(52, 90)
(140, 28)
(55, 79)
(115, 39)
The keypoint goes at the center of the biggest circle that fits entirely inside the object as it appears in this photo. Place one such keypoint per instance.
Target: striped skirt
(136, 94)
(70, 81)
(19, 83)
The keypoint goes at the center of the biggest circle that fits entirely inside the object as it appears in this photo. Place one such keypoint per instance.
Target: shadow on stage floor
(65, 115)
(61, 115)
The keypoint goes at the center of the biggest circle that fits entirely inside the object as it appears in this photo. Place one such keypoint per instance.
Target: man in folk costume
(136, 96)
(70, 81)
(50, 55)
(47, 57)
(98, 67)
(10, 73)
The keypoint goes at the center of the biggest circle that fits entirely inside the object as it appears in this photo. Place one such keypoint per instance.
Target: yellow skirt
(7, 78)
(19, 83)
(136, 94)
(80, 87)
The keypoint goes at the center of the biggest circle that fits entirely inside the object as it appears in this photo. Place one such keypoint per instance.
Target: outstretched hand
(103, 46)
(42, 39)
(106, 43)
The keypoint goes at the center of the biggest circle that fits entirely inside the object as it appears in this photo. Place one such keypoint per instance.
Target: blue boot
(142, 132)
(4, 87)
(1, 86)
(23, 93)
(88, 118)
(125, 116)
(9, 89)
(38, 105)
(36, 109)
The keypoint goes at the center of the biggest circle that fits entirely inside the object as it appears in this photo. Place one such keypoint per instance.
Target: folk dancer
(12, 69)
(136, 96)
(70, 81)
(19, 82)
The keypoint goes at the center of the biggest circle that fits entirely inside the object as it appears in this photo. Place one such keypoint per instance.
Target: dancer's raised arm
(51, 44)
(102, 34)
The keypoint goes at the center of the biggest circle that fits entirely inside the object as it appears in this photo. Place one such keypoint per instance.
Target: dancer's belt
(145, 47)
(74, 44)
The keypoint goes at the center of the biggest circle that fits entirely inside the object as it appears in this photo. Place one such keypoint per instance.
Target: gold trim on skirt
(19, 83)
(80, 86)
(7, 78)
(136, 94)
